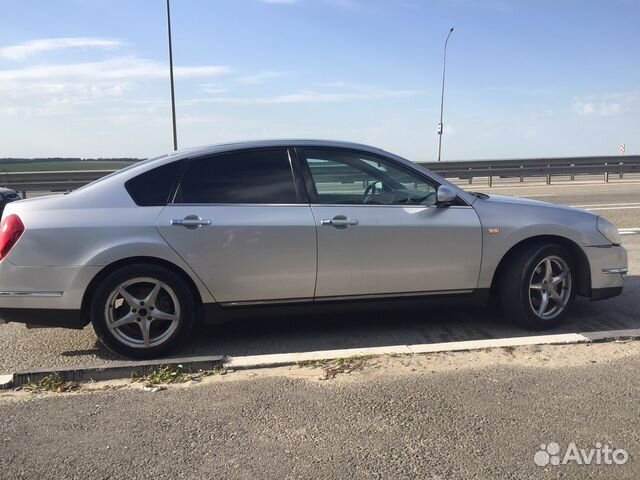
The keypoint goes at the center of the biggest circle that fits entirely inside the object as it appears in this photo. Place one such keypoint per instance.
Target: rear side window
(153, 188)
(253, 176)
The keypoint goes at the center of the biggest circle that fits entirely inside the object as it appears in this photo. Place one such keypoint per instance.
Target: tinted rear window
(153, 188)
(254, 176)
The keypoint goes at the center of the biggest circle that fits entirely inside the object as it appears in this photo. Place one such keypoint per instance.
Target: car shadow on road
(400, 326)
(301, 332)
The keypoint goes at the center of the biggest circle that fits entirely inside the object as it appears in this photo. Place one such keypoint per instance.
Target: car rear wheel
(142, 311)
(538, 287)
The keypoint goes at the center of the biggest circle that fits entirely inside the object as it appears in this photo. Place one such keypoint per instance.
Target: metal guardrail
(538, 167)
(533, 167)
(52, 181)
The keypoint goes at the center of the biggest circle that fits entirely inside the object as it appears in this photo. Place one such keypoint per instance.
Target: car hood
(531, 203)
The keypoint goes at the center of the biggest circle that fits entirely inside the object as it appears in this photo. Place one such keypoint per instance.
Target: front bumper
(608, 267)
(604, 293)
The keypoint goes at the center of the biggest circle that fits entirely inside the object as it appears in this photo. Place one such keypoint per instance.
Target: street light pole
(444, 66)
(173, 94)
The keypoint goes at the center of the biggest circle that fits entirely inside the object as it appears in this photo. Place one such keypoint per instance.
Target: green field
(60, 166)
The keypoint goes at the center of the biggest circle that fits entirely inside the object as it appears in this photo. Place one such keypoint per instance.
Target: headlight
(609, 230)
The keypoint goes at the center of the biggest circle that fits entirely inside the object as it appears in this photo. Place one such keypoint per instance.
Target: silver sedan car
(203, 234)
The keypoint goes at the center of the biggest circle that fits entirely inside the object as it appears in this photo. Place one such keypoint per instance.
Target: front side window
(346, 177)
(253, 176)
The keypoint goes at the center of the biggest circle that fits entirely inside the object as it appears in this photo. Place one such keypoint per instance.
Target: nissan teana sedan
(147, 252)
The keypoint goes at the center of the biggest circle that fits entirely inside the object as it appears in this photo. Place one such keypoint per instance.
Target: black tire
(519, 302)
(107, 306)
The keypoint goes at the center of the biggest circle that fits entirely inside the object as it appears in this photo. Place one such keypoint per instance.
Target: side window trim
(176, 185)
(301, 193)
(305, 172)
(298, 176)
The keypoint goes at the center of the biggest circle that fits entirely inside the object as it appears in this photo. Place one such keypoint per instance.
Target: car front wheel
(538, 287)
(142, 311)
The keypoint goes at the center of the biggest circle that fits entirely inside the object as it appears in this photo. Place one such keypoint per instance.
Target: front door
(381, 233)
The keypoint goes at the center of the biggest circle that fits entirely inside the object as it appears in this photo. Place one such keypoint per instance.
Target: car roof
(240, 145)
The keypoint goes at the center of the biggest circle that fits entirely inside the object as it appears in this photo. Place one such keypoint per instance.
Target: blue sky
(524, 78)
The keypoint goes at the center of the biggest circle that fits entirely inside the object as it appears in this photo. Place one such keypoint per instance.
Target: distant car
(200, 234)
(7, 195)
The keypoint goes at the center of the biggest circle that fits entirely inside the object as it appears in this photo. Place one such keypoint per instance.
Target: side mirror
(445, 196)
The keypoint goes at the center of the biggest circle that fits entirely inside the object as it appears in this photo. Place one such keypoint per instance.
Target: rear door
(243, 225)
(380, 231)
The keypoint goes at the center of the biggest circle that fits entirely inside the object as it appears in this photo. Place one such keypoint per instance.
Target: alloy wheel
(550, 287)
(142, 312)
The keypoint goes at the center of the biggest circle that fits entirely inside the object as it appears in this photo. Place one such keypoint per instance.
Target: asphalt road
(620, 201)
(440, 417)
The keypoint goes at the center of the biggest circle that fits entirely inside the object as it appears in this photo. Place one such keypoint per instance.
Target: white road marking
(519, 186)
(542, 195)
(612, 208)
(629, 231)
(607, 205)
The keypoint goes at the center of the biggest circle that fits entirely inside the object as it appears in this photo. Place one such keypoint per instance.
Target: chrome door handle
(190, 221)
(339, 221)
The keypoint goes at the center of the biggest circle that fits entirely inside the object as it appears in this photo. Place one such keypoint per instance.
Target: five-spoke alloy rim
(550, 287)
(142, 312)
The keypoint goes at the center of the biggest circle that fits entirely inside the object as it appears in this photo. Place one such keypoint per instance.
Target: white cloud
(607, 109)
(346, 4)
(543, 113)
(343, 85)
(260, 78)
(609, 104)
(63, 89)
(213, 88)
(583, 108)
(603, 109)
(123, 68)
(24, 50)
(308, 96)
(624, 97)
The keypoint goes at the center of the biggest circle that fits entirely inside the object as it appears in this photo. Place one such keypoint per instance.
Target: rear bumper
(44, 288)
(44, 296)
(42, 317)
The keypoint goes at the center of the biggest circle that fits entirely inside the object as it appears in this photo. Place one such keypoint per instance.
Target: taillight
(10, 231)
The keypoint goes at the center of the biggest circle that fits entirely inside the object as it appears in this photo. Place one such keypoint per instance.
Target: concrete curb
(127, 369)
(6, 382)
(284, 359)
(111, 371)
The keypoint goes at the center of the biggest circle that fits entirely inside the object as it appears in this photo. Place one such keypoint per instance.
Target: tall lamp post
(173, 94)
(444, 66)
